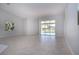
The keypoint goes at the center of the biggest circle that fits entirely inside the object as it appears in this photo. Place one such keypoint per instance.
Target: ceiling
(33, 9)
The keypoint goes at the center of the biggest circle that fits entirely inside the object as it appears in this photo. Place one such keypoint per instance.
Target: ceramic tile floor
(35, 45)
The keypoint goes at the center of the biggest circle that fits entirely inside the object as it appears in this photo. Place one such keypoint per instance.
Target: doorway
(48, 31)
(48, 27)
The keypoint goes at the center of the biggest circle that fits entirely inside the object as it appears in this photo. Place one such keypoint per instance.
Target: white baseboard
(69, 47)
(3, 47)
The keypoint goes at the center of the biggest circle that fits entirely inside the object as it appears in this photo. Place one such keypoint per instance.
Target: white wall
(19, 26)
(31, 25)
(60, 25)
(31, 22)
(71, 28)
(77, 17)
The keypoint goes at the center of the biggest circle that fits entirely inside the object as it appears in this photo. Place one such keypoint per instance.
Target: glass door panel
(48, 27)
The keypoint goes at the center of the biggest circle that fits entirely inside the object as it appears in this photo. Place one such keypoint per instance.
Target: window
(48, 27)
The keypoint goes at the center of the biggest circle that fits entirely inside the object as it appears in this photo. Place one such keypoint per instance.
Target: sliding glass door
(48, 27)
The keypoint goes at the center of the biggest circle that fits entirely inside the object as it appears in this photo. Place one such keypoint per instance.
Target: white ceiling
(29, 9)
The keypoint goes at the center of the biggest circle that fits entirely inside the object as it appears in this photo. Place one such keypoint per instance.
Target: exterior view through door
(48, 27)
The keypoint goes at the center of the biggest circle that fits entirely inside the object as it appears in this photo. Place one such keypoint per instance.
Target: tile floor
(35, 45)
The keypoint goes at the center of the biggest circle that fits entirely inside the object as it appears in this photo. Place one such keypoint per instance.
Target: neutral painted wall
(71, 28)
(31, 26)
(19, 26)
(77, 18)
(60, 25)
(31, 23)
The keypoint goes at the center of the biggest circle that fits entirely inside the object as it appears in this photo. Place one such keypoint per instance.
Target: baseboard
(69, 47)
(11, 36)
(59, 36)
